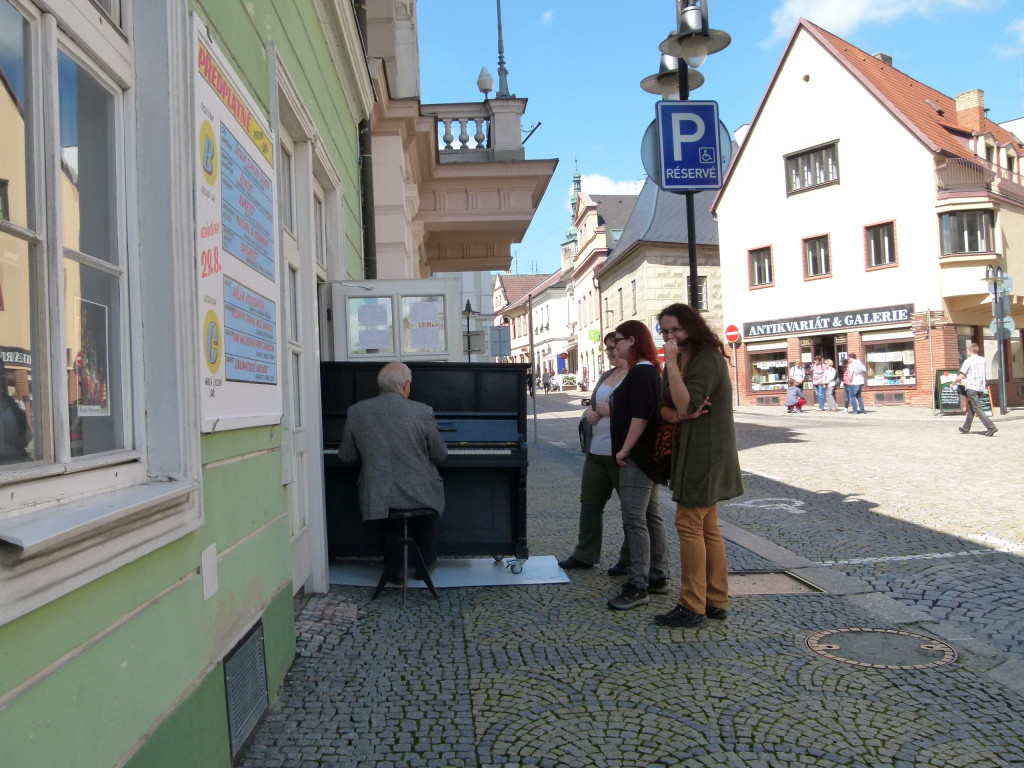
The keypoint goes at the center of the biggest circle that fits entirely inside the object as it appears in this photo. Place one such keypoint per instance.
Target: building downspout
(366, 189)
(366, 167)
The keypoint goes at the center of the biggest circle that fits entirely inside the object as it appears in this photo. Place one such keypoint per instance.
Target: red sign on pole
(732, 334)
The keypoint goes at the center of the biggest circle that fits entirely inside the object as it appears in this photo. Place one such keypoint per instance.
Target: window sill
(53, 550)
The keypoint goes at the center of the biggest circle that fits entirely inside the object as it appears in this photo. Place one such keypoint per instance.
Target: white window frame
(66, 522)
(702, 292)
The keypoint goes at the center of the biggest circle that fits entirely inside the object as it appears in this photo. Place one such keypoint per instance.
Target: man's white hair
(392, 377)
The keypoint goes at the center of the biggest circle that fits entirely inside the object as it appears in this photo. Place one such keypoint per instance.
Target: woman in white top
(830, 386)
(600, 470)
(857, 381)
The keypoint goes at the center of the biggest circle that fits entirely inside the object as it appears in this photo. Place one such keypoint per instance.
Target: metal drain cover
(881, 648)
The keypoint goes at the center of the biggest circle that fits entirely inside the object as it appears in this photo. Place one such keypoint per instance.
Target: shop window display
(890, 364)
(768, 372)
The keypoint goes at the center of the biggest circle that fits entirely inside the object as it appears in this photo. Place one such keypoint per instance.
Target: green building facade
(150, 525)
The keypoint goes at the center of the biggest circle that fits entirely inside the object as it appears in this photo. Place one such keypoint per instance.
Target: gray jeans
(974, 407)
(641, 520)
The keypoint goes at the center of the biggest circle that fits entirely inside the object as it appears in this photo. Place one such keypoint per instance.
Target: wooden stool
(400, 553)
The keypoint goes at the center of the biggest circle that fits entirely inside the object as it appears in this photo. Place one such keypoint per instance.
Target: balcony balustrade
(959, 175)
(479, 132)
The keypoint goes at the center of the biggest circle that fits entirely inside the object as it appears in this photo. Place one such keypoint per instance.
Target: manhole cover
(881, 648)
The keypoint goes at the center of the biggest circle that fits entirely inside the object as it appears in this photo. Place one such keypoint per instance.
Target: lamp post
(997, 285)
(687, 47)
(468, 312)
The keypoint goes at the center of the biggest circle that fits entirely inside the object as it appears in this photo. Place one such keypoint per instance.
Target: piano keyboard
(476, 451)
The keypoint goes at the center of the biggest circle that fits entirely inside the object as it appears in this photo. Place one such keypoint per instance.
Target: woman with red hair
(634, 407)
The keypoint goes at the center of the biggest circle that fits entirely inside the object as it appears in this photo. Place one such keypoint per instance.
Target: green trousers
(600, 478)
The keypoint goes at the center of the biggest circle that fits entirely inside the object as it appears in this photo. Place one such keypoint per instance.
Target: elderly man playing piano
(396, 441)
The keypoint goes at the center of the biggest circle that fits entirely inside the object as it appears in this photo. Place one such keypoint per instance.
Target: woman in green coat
(705, 463)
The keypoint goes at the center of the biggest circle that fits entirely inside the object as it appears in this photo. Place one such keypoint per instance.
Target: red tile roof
(517, 286)
(936, 126)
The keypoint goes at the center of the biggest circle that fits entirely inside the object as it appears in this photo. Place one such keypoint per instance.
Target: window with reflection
(65, 357)
(816, 257)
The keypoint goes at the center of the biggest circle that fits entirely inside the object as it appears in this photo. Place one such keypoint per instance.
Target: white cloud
(596, 184)
(546, 17)
(1016, 28)
(843, 17)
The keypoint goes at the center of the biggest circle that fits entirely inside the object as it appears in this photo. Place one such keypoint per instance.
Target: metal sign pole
(736, 366)
(533, 363)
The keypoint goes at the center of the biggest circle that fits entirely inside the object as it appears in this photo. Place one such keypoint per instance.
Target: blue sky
(580, 64)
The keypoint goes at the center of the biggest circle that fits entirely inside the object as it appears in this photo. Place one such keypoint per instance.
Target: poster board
(947, 399)
(416, 319)
(236, 247)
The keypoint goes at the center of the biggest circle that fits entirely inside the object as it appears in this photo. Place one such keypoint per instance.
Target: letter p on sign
(695, 130)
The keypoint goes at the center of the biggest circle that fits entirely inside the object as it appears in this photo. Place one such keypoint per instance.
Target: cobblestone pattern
(546, 675)
(974, 588)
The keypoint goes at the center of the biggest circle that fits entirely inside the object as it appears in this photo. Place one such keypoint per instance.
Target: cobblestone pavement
(546, 675)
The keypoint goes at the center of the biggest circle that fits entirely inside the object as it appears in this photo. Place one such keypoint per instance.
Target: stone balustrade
(486, 131)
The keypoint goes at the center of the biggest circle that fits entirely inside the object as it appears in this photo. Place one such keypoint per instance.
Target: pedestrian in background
(795, 390)
(600, 470)
(818, 380)
(545, 381)
(705, 464)
(846, 376)
(831, 378)
(975, 379)
(634, 406)
(856, 371)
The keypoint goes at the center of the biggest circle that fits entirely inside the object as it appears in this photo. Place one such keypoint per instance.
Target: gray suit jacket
(397, 442)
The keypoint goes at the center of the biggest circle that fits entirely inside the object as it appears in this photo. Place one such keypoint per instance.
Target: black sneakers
(963, 430)
(990, 431)
(680, 617)
(630, 597)
(619, 569)
(718, 614)
(658, 586)
(571, 562)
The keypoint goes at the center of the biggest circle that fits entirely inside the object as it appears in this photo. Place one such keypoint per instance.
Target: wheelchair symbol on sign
(706, 155)
(792, 506)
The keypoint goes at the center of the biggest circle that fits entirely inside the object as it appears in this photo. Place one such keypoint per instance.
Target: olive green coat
(705, 462)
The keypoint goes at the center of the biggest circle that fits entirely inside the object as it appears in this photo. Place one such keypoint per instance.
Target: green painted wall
(121, 677)
(130, 664)
(196, 733)
(242, 28)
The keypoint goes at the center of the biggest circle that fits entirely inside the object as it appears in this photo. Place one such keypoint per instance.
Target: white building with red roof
(859, 216)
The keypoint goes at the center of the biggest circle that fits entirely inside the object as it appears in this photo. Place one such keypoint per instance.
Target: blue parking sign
(688, 149)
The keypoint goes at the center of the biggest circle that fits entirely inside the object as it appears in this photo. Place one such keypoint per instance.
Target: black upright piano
(480, 410)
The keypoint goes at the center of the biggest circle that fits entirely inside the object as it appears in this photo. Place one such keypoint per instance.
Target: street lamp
(688, 47)
(666, 82)
(468, 312)
(997, 285)
(694, 41)
(484, 82)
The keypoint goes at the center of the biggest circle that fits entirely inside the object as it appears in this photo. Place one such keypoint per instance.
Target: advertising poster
(236, 249)
(91, 358)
